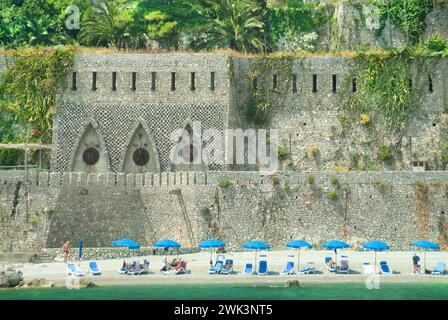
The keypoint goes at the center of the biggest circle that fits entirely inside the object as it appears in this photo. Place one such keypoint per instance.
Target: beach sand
(399, 261)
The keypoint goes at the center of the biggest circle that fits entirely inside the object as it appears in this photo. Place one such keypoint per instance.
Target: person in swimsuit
(66, 250)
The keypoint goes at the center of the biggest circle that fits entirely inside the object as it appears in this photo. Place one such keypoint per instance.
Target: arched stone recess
(90, 154)
(141, 154)
(189, 153)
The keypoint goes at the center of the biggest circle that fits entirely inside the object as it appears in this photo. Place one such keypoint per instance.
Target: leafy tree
(167, 21)
(233, 24)
(108, 25)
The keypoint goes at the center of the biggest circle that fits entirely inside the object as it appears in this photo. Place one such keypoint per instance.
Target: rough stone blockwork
(397, 207)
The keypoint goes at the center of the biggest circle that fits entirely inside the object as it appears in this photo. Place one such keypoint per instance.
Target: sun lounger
(385, 268)
(440, 268)
(308, 270)
(217, 268)
(330, 269)
(94, 270)
(263, 266)
(224, 270)
(74, 270)
(289, 268)
(367, 268)
(249, 269)
(343, 268)
(181, 270)
(138, 271)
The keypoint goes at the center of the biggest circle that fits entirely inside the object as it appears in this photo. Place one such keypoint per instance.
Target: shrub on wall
(30, 85)
(385, 153)
(333, 195)
(224, 183)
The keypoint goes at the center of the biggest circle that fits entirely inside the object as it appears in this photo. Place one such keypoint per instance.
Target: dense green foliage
(243, 25)
(408, 15)
(29, 86)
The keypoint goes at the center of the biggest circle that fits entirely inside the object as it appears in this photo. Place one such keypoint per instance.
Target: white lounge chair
(74, 270)
(384, 268)
(263, 266)
(440, 268)
(343, 268)
(308, 270)
(217, 268)
(228, 262)
(367, 268)
(249, 269)
(289, 268)
(94, 270)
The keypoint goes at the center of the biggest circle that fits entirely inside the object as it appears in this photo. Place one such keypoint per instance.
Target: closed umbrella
(425, 245)
(80, 252)
(376, 246)
(167, 244)
(335, 245)
(256, 245)
(298, 244)
(210, 244)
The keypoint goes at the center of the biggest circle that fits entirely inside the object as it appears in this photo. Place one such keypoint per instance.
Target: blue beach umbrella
(126, 243)
(298, 244)
(166, 244)
(376, 246)
(425, 245)
(80, 251)
(335, 245)
(256, 245)
(210, 244)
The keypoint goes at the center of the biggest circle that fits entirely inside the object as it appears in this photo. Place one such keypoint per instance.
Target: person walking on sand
(66, 250)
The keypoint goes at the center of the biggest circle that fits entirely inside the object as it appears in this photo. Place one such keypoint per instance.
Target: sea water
(314, 291)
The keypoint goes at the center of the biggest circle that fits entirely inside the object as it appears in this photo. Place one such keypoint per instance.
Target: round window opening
(91, 156)
(141, 157)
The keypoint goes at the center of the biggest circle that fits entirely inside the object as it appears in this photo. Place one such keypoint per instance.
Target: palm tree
(234, 24)
(108, 25)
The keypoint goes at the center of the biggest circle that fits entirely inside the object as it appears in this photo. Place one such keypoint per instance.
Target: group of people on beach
(175, 265)
(134, 266)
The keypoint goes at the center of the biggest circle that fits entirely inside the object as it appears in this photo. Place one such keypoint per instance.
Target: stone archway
(141, 155)
(90, 155)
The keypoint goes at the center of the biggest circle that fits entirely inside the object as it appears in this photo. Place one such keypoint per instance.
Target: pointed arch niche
(90, 154)
(141, 154)
(190, 153)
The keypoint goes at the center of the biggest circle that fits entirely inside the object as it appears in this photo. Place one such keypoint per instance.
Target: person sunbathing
(331, 263)
(228, 266)
(179, 265)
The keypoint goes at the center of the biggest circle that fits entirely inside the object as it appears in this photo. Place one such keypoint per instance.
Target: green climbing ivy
(30, 84)
(408, 15)
(383, 88)
(265, 98)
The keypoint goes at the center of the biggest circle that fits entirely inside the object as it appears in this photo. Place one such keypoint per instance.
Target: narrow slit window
(114, 81)
(430, 84)
(354, 85)
(173, 81)
(334, 81)
(193, 81)
(274, 82)
(314, 82)
(153, 81)
(134, 81)
(294, 83)
(74, 87)
(410, 84)
(212, 81)
(94, 81)
(254, 83)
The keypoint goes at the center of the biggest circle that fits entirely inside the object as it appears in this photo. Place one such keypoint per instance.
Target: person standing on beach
(66, 250)
(415, 261)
